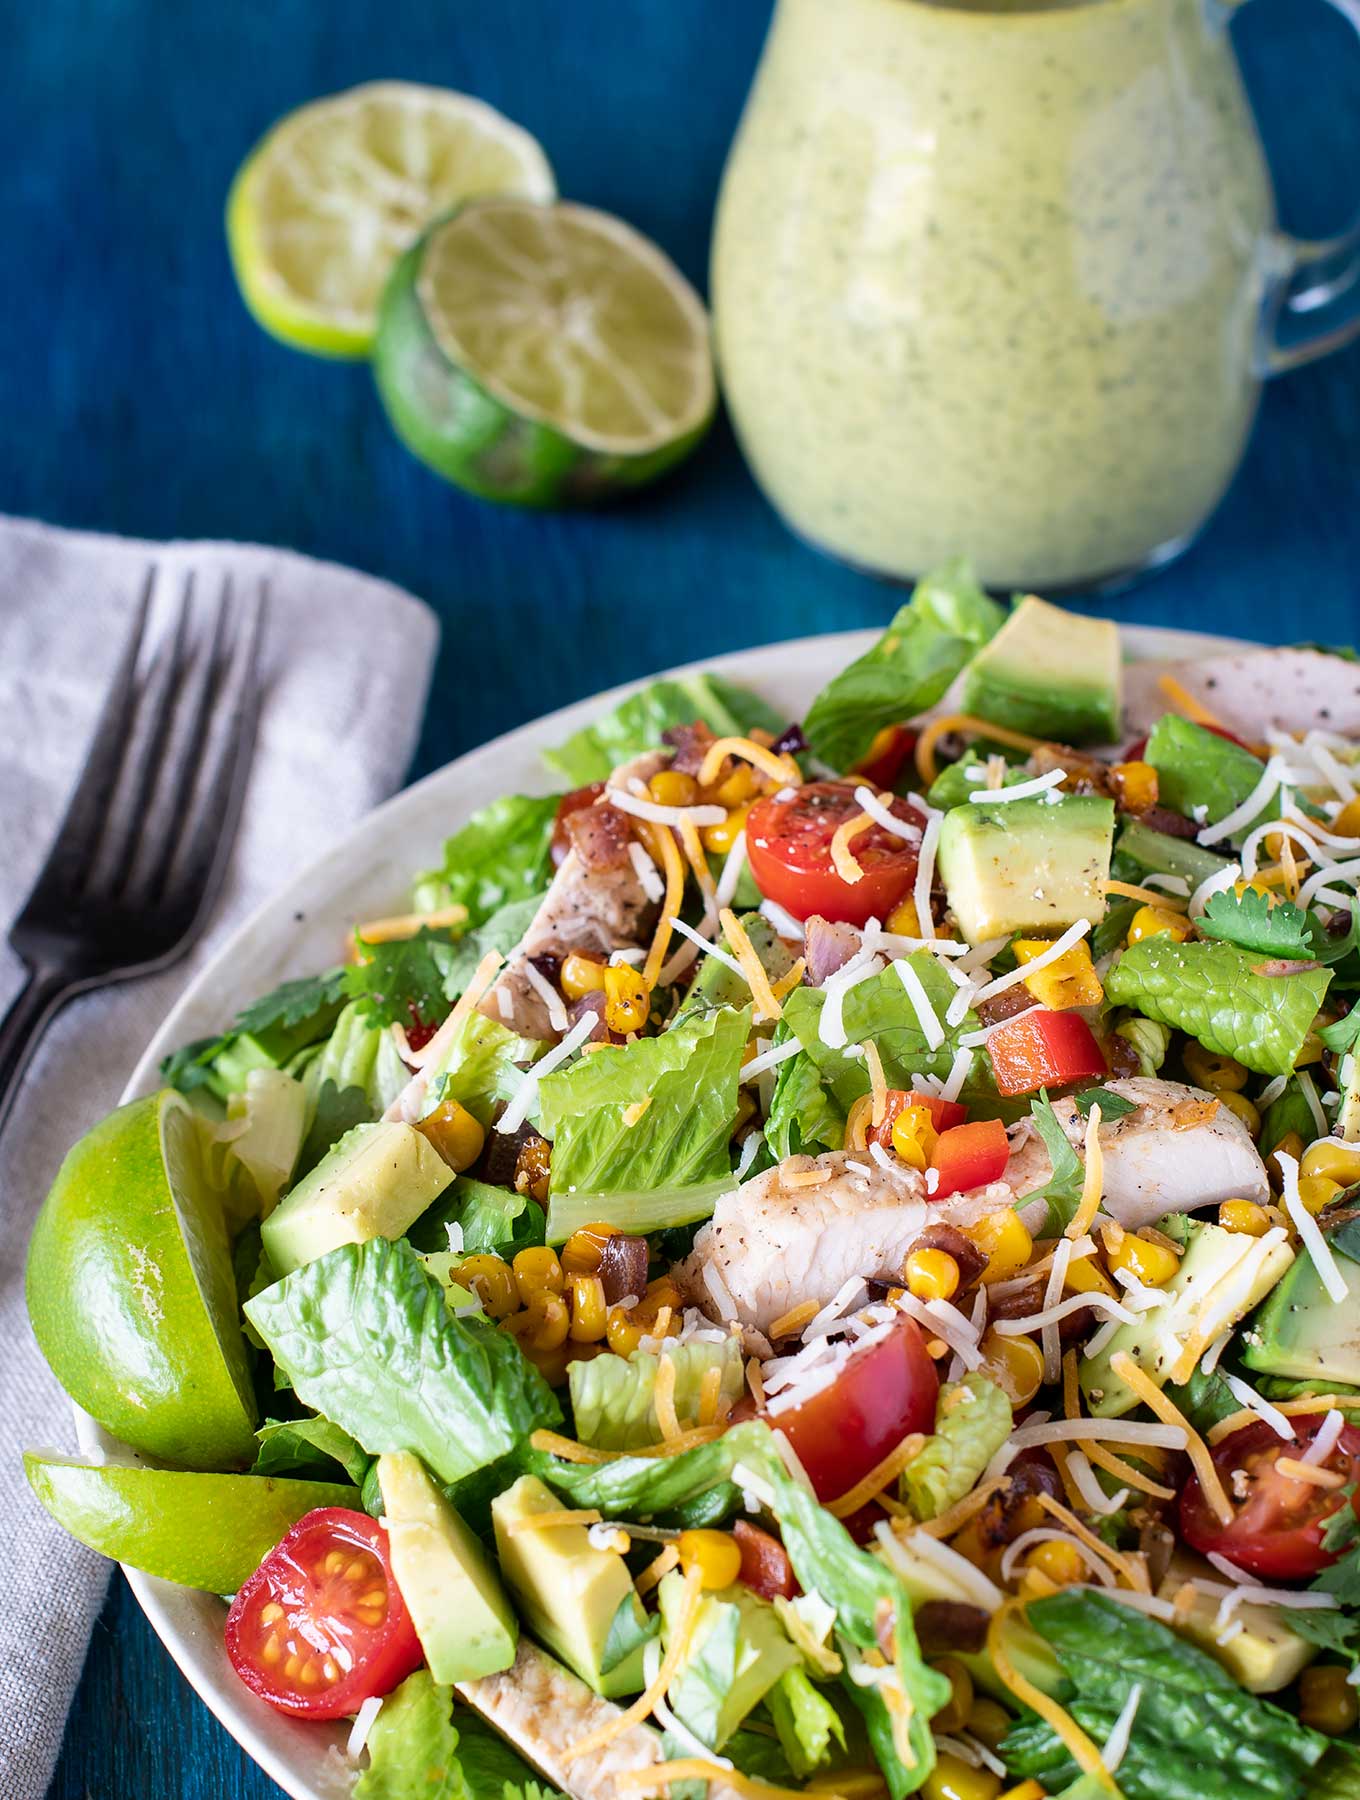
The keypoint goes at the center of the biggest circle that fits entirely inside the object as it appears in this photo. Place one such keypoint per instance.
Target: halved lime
(330, 197)
(131, 1293)
(204, 1531)
(543, 354)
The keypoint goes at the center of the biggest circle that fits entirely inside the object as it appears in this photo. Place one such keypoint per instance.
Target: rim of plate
(348, 881)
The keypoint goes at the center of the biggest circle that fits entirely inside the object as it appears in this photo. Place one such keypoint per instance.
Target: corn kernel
(581, 975)
(583, 1249)
(1347, 821)
(1245, 1217)
(715, 1554)
(455, 1134)
(1135, 785)
(1025, 1790)
(1061, 1562)
(956, 1708)
(1152, 1264)
(1158, 921)
(1071, 980)
(628, 999)
(931, 1275)
(669, 787)
(914, 1136)
(1004, 1240)
(544, 1322)
(954, 1779)
(1246, 1110)
(988, 1721)
(1216, 1074)
(622, 1334)
(1085, 1276)
(588, 1310)
(1291, 1144)
(741, 785)
(492, 1281)
(1330, 1157)
(1317, 1192)
(904, 920)
(538, 1271)
(1327, 1701)
(1016, 1364)
(720, 838)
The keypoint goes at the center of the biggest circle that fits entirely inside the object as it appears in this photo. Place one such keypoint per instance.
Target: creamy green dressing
(987, 279)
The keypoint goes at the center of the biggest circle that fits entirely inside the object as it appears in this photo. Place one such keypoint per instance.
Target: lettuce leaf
(416, 1752)
(1213, 992)
(929, 641)
(482, 1064)
(495, 1220)
(806, 1721)
(738, 1652)
(636, 724)
(804, 1116)
(612, 1396)
(670, 1164)
(312, 1447)
(365, 1338)
(1196, 768)
(500, 855)
(972, 1421)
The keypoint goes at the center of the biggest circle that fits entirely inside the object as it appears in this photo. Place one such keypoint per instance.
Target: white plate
(366, 875)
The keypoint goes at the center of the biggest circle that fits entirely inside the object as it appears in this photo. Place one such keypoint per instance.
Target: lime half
(543, 354)
(329, 199)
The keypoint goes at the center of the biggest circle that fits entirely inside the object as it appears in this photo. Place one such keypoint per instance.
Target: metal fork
(143, 848)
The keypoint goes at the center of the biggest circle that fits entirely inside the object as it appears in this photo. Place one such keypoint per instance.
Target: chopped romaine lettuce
(737, 1652)
(365, 1338)
(1216, 993)
(1202, 775)
(641, 1132)
(481, 1064)
(807, 1722)
(612, 1397)
(1148, 1040)
(500, 855)
(804, 1117)
(416, 1752)
(252, 1154)
(929, 641)
(493, 1220)
(636, 724)
(359, 1053)
(972, 1422)
(309, 1446)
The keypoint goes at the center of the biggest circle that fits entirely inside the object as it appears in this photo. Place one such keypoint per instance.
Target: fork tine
(81, 828)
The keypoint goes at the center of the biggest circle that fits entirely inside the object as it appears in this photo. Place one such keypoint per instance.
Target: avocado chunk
(1222, 1275)
(463, 1618)
(1301, 1332)
(375, 1182)
(578, 1601)
(1026, 865)
(1264, 1656)
(737, 1652)
(1050, 673)
(717, 985)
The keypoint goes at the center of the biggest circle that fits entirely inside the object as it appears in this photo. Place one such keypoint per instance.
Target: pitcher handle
(1310, 275)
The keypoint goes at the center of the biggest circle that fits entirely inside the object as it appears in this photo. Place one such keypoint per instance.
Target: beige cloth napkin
(347, 670)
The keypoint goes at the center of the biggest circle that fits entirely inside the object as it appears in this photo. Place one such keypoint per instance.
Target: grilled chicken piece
(1289, 690)
(596, 911)
(1153, 1164)
(786, 1238)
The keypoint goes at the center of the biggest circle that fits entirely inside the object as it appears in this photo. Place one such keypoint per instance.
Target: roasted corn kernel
(904, 920)
(1060, 1561)
(1158, 921)
(537, 1271)
(1025, 1790)
(914, 1136)
(736, 789)
(954, 1779)
(581, 975)
(455, 1134)
(1330, 1157)
(628, 999)
(1152, 1264)
(492, 1281)
(715, 1554)
(1016, 1364)
(622, 1333)
(931, 1275)
(588, 1310)
(1244, 1216)
(1135, 785)
(1291, 1144)
(533, 1166)
(720, 838)
(1085, 1276)
(1004, 1240)
(1317, 1192)
(1217, 1074)
(583, 1249)
(669, 787)
(544, 1322)
(1327, 1701)
(1070, 980)
(1246, 1110)
(988, 1721)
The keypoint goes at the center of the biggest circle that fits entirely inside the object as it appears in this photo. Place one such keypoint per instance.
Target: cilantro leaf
(1334, 1630)
(286, 1012)
(405, 980)
(1252, 922)
(1112, 1105)
(292, 1002)
(1063, 1188)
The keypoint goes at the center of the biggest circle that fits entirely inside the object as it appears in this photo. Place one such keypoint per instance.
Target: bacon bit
(945, 1627)
(1187, 1114)
(690, 743)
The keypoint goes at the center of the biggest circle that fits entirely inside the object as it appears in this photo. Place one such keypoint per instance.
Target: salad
(821, 1257)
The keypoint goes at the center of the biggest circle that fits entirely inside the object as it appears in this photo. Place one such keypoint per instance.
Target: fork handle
(32, 1007)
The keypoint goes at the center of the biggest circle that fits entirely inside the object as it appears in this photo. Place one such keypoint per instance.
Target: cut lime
(131, 1293)
(329, 199)
(543, 354)
(204, 1531)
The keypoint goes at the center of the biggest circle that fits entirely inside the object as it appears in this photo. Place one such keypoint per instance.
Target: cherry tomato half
(845, 1429)
(970, 1156)
(887, 756)
(1276, 1530)
(765, 1565)
(788, 845)
(321, 1625)
(1044, 1049)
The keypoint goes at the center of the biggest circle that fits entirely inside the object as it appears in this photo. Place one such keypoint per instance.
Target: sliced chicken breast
(1287, 690)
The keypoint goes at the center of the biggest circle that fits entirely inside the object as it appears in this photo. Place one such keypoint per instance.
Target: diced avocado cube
(1222, 1275)
(463, 1618)
(716, 985)
(738, 1651)
(375, 1182)
(1050, 673)
(1264, 1656)
(1301, 1332)
(578, 1601)
(1026, 865)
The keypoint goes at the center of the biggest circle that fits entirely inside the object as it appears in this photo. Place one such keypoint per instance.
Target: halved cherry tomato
(1276, 1530)
(1044, 1049)
(887, 756)
(788, 845)
(765, 1565)
(569, 803)
(1134, 753)
(321, 1625)
(944, 1114)
(970, 1156)
(845, 1429)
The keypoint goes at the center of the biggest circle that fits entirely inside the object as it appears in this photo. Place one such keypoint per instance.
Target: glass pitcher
(1002, 278)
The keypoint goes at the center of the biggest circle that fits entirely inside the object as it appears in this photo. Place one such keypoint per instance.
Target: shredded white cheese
(1240, 816)
(1211, 885)
(1325, 1442)
(1115, 1746)
(1022, 790)
(926, 1016)
(665, 815)
(363, 1724)
(769, 1059)
(925, 875)
(646, 871)
(1246, 1395)
(731, 871)
(870, 803)
(1309, 1234)
(548, 994)
(518, 1110)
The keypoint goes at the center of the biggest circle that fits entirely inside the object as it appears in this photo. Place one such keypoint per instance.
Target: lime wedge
(543, 354)
(204, 1531)
(327, 201)
(131, 1292)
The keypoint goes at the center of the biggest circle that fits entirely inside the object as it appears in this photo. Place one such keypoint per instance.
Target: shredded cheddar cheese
(753, 1382)
(710, 1393)
(1128, 1569)
(676, 1652)
(663, 1399)
(698, 862)
(1126, 890)
(782, 769)
(878, 1086)
(1290, 1408)
(857, 1122)
(1186, 704)
(661, 1564)
(406, 925)
(1170, 1414)
(767, 1007)
(1093, 1181)
(1096, 1452)
(965, 725)
(1312, 1473)
(553, 1521)
(878, 1477)
(675, 891)
(945, 1524)
(794, 1319)
(843, 858)
(788, 982)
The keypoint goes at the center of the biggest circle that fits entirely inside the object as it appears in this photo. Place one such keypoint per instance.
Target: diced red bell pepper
(1044, 1049)
(888, 756)
(944, 1114)
(970, 1156)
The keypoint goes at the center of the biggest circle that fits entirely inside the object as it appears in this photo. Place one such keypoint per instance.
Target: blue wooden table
(137, 396)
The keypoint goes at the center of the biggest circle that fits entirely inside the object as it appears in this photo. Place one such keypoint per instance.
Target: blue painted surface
(137, 396)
